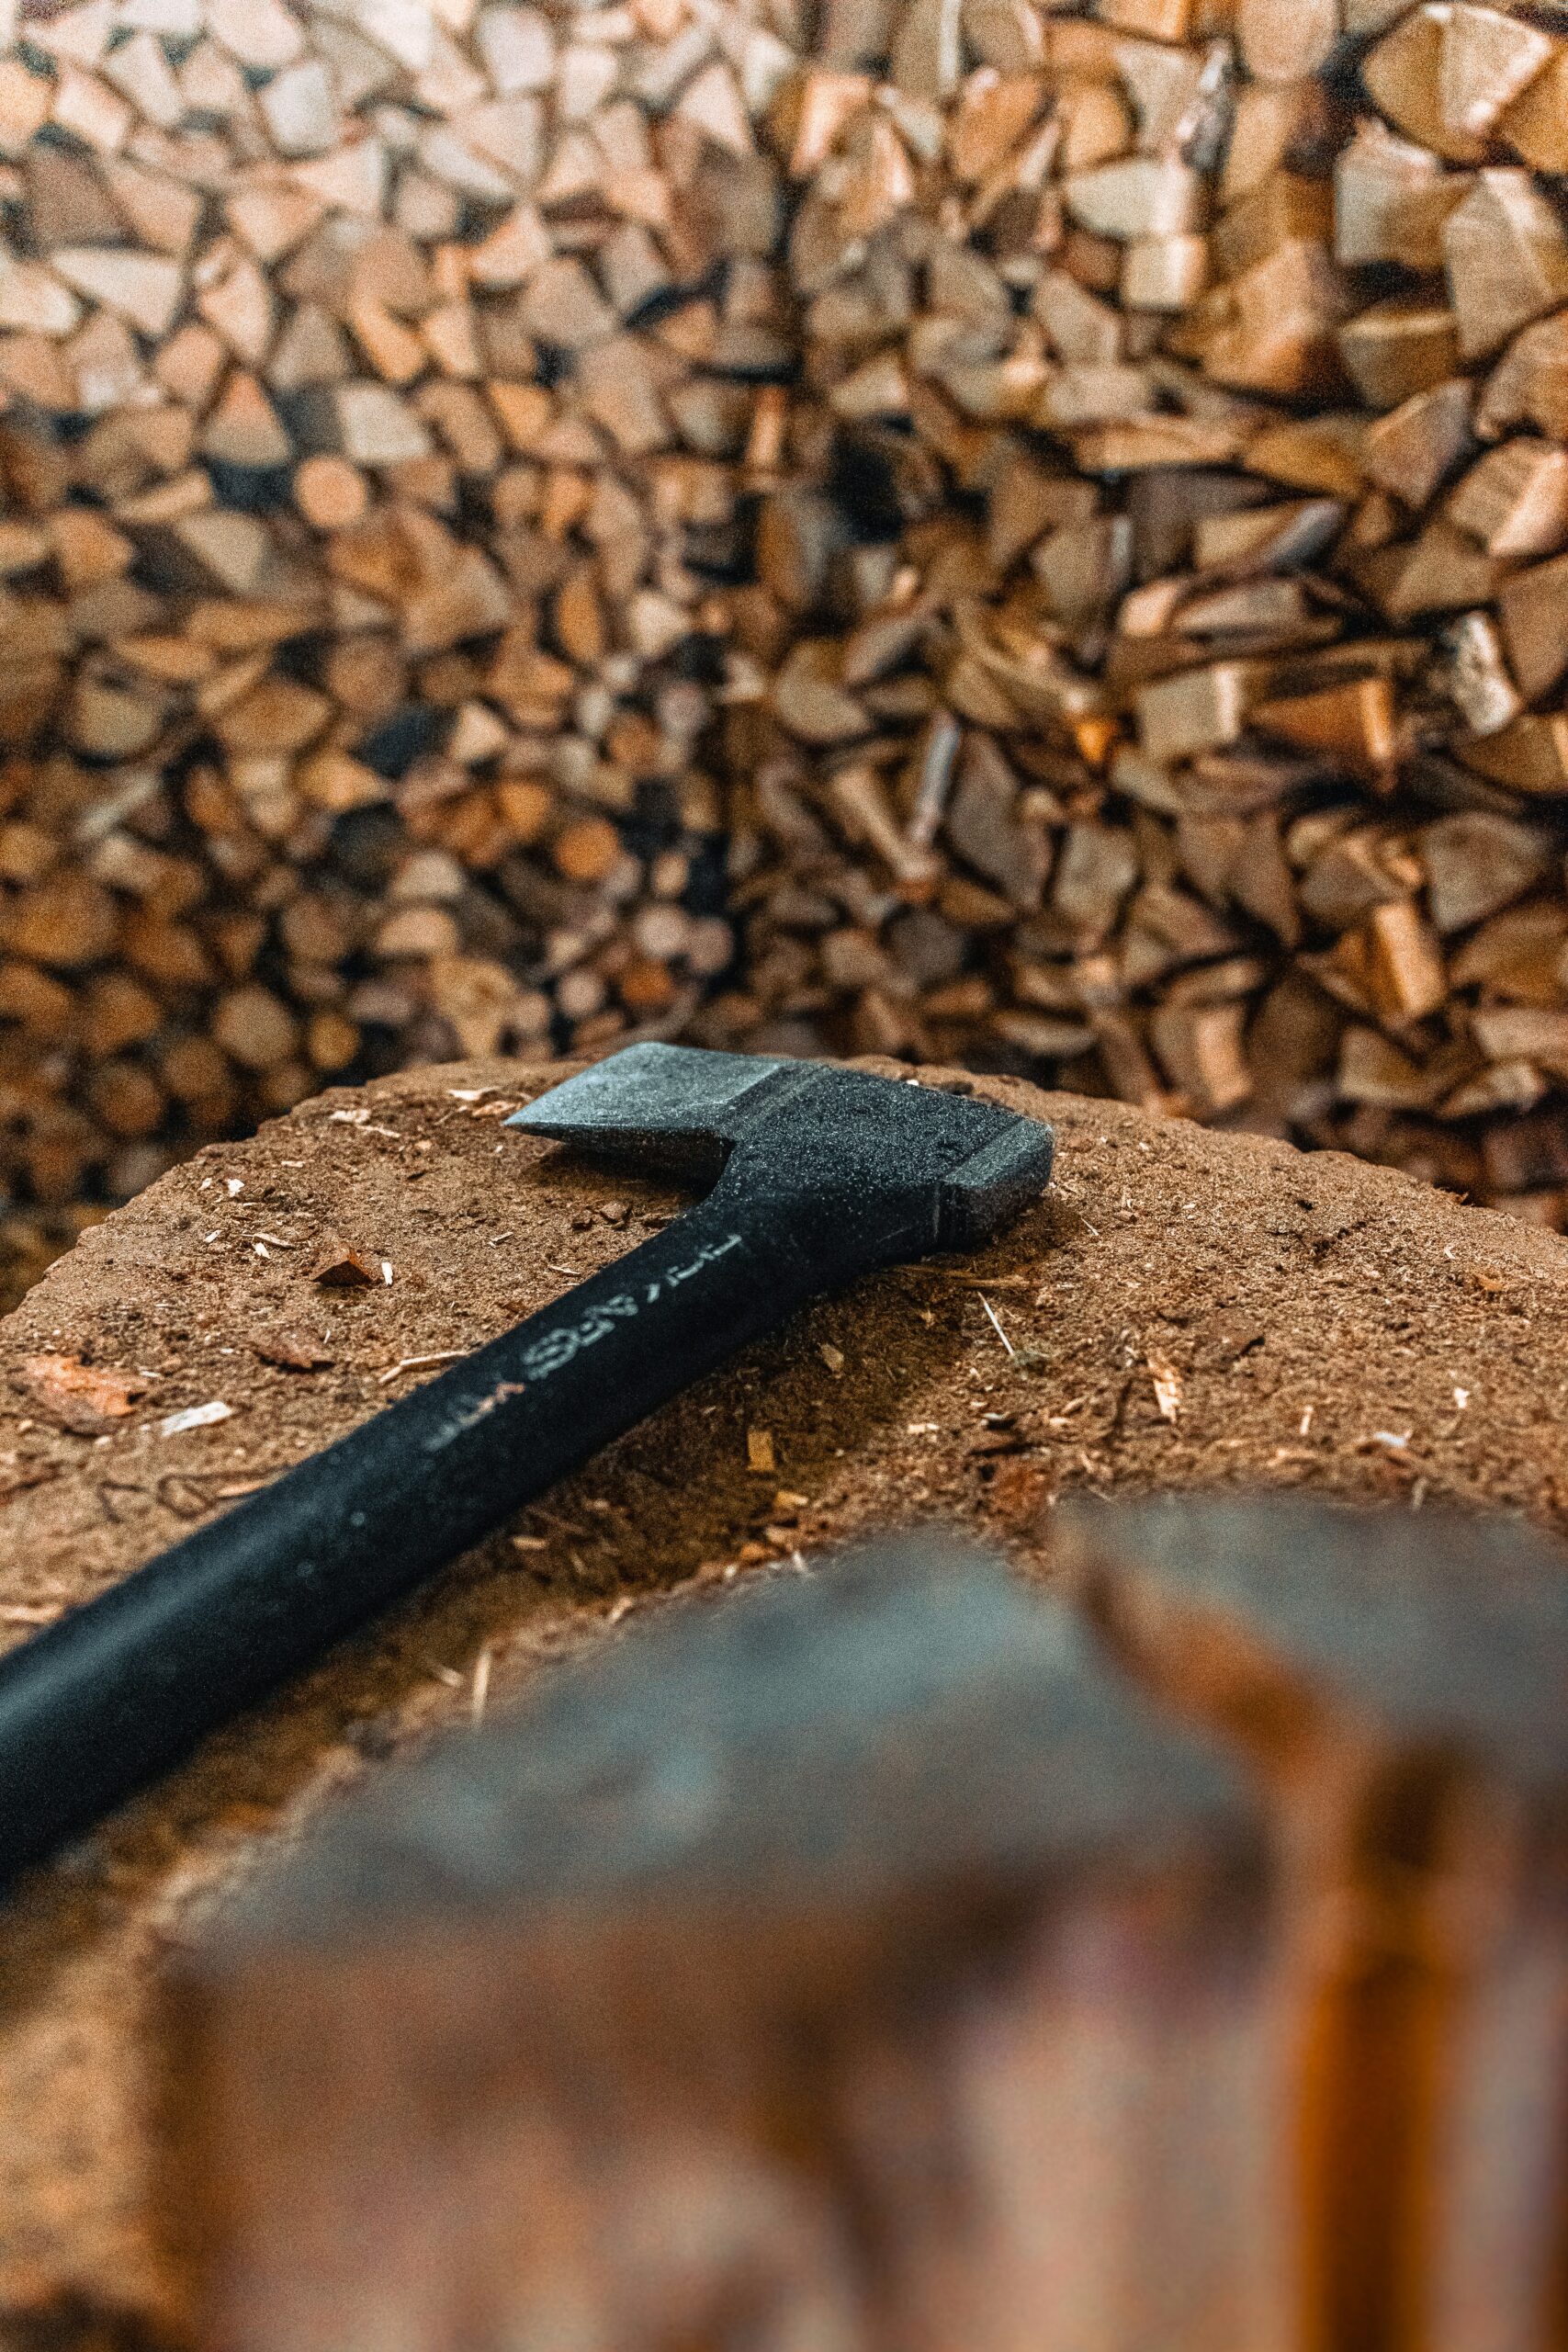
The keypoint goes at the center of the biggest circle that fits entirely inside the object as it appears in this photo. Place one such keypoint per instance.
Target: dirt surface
(1185, 1308)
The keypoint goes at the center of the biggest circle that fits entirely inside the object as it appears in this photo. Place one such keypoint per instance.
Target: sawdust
(1185, 1309)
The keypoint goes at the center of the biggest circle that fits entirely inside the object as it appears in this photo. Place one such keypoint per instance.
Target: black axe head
(949, 1168)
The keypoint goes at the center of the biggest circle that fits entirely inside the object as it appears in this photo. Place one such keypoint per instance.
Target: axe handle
(123, 1688)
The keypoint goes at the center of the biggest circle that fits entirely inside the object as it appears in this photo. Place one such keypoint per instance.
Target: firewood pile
(377, 378)
(1027, 536)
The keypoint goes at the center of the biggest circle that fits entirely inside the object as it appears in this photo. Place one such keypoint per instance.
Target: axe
(816, 1176)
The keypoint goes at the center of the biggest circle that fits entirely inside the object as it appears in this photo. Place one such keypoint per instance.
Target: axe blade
(698, 1114)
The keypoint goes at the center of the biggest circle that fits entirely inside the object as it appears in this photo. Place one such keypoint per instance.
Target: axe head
(954, 1168)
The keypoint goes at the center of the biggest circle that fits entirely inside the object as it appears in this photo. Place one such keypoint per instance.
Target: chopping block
(1264, 1289)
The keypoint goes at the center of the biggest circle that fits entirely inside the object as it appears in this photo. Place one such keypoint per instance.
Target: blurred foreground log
(889, 1957)
(849, 1964)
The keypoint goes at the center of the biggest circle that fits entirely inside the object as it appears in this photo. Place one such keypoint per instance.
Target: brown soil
(1307, 1321)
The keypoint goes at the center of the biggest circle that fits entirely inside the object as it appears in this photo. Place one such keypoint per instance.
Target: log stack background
(1028, 535)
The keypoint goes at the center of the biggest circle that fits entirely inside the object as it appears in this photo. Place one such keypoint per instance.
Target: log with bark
(1395, 1687)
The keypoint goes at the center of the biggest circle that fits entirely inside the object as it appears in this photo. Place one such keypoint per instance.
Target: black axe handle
(96, 1706)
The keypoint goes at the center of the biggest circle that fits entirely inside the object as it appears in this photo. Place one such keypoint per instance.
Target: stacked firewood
(1153, 670)
(381, 382)
(1044, 527)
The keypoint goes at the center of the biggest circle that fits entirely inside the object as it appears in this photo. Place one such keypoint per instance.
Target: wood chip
(1167, 1385)
(340, 1266)
(195, 1417)
(85, 1399)
(292, 1349)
